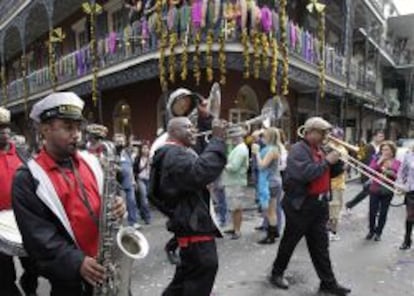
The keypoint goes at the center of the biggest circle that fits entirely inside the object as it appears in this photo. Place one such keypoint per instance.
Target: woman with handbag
(406, 181)
(380, 197)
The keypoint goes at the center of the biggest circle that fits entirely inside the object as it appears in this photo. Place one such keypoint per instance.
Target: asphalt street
(368, 267)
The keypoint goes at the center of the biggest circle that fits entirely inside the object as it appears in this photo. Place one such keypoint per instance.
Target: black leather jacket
(183, 181)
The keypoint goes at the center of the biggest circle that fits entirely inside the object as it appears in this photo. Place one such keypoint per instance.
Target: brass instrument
(361, 167)
(272, 110)
(119, 245)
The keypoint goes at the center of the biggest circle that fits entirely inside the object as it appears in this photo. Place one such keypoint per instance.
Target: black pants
(197, 271)
(8, 276)
(77, 289)
(359, 197)
(310, 221)
(378, 211)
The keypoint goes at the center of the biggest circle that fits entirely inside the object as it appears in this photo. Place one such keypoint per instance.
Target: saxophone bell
(132, 243)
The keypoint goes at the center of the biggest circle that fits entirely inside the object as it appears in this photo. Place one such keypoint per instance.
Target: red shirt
(9, 163)
(321, 184)
(70, 193)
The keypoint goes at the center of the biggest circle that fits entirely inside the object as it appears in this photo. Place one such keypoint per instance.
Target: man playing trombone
(307, 187)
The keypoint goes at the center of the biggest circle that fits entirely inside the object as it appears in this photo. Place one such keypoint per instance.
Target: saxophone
(119, 245)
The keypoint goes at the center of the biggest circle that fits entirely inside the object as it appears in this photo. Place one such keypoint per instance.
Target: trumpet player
(57, 199)
(307, 187)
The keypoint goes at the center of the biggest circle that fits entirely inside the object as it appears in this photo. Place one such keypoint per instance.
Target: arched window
(246, 103)
(122, 119)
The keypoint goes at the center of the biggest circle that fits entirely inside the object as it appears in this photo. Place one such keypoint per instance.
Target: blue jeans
(221, 204)
(143, 204)
(131, 206)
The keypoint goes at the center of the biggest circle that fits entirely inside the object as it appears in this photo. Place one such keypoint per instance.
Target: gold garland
(246, 54)
(184, 60)
(284, 47)
(163, 74)
(256, 53)
(196, 58)
(171, 58)
(265, 50)
(222, 58)
(274, 65)
(321, 33)
(158, 19)
(209, 55)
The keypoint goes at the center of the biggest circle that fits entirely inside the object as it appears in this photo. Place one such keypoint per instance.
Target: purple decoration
(145, 30)
(112, 42)
(266, 19)
(196, 13)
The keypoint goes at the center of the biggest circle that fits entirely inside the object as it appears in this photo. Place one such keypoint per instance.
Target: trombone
(361, 167)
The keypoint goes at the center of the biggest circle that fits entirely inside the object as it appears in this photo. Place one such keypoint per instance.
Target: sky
(404, 6)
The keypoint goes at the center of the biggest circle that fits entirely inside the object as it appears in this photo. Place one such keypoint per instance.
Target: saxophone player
(57, 199)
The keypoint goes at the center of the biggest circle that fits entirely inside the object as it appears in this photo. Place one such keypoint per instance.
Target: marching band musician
(56, 199)
(307, 186)
(179, 179)
(96, 133)
(11, 158)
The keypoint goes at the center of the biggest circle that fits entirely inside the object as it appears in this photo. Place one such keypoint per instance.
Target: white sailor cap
(4, 116)
(180, 93)
(64, 105)
(97, 130)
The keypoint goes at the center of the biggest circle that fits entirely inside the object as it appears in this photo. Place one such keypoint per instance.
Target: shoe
(260, 228)
(235, 236)
(336, 290)
(334, 237)
(279, 281)
(377, 238)
(369, 236)
(173, 257)
(137, 226)
(229, 231)
(405, 246)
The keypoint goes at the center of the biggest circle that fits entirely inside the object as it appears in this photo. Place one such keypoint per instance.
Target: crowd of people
(55, 193)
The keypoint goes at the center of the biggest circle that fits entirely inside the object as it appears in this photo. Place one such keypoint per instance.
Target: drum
(10, 239)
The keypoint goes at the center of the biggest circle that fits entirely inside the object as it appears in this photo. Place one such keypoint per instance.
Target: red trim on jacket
(321, 184)
(83, 225)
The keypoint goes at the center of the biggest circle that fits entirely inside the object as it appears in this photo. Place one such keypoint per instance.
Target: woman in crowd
(270, 181)
(380, 197)
(406, 181)
(142, 167)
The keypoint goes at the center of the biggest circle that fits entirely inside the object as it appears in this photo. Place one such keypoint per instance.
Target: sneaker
(279, 281)
(333, 237)
(336, 290)
(137, 226)
(377, 238)
(229, 231)
(235, 236)
(369, 236)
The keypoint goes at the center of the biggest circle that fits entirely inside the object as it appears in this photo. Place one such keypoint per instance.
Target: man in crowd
(11, 158)
(371, 151)
(179, 179)
(235, 180)
(57, 199)
(307, 186)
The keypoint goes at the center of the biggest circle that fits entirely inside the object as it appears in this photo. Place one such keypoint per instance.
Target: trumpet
(359, 166)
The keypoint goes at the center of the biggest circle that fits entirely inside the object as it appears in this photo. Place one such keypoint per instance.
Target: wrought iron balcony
(128, 45)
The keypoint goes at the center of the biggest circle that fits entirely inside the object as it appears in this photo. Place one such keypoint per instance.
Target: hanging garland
(256, 53)
(161, 62)
(265, 50)
(209, 55)
(196, 58)
(171, 58)
(284, 47)
(184, 60)
(273, 71)
(246, 54)
(222, 58)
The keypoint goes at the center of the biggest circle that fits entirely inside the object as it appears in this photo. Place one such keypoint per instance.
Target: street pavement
(367, 267)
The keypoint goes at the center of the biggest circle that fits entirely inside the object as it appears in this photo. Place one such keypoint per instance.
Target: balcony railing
(362, 81)
(7, 7)
(127, 45)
